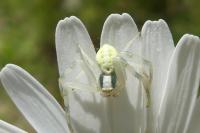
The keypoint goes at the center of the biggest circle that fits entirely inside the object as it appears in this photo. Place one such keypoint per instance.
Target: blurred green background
(27, 30)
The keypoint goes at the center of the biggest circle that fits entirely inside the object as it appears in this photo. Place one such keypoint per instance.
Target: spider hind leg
(142, 70)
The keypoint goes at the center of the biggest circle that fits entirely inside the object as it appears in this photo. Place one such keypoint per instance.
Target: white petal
(87, 112)
(33, 100)
(8, 128)
(157, 47)
(92, 113)
(125, 112)
(87, 109)
(195, 120)
(118, 30)
(182, 85)
(70, 33)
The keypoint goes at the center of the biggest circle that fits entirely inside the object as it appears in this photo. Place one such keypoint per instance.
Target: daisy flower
(136, 82)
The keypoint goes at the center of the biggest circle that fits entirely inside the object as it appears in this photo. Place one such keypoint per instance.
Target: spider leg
(142, 69)
(120, 74)
(68, 86)
(131, 42)
(73, 86)
(88, 67)
(91, 65)
(81, 75)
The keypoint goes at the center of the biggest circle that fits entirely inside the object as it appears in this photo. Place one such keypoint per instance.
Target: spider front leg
(141, 69)
(89, 71)
(69, 87)
(69, 83)
(71, 80)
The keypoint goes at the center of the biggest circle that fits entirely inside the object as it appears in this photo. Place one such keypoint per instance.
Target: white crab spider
(107, 75)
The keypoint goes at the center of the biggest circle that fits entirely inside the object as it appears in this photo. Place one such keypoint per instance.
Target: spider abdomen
(105, 57)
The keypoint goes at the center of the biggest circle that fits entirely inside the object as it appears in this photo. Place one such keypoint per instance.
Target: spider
(108, 74)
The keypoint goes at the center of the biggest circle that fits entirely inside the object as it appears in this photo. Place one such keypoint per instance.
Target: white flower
(172, 88)
(8, 128)
(37, 105)
(174, 104)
